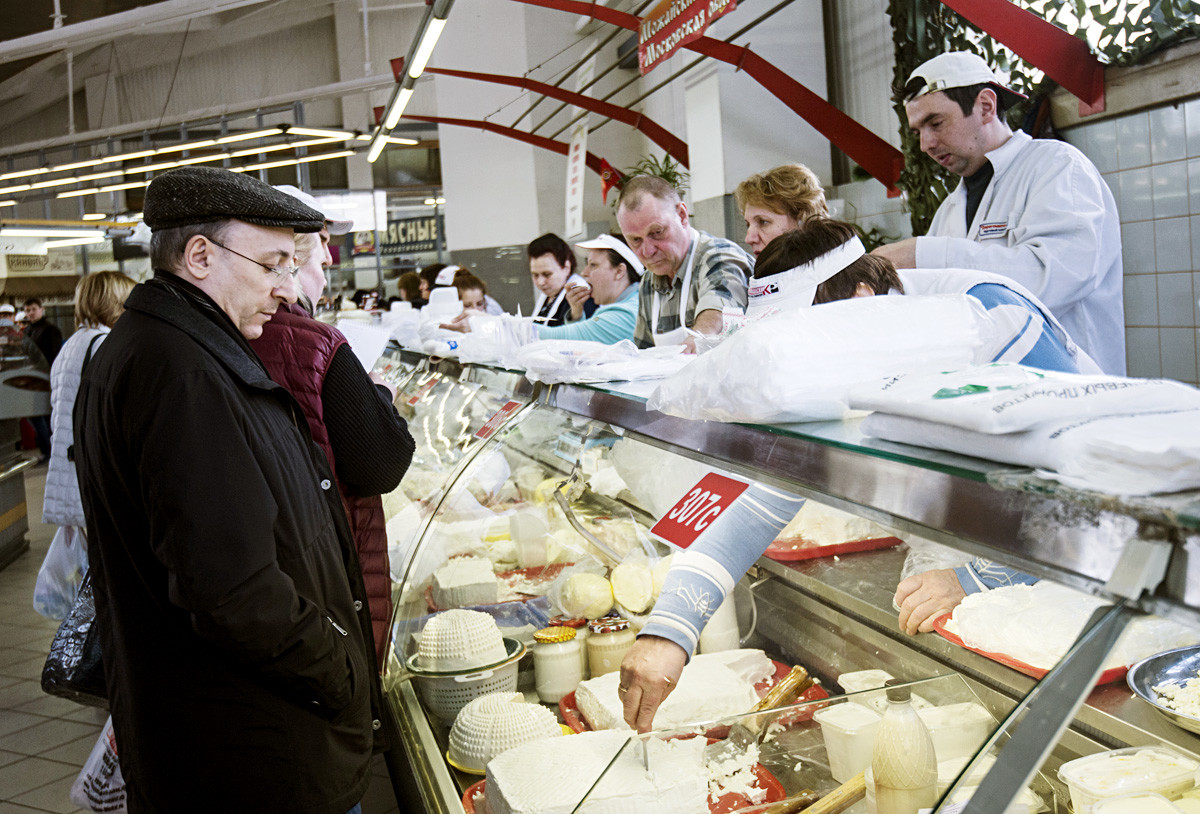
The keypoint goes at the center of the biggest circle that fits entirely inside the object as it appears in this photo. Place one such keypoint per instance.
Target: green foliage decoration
(1119, 32)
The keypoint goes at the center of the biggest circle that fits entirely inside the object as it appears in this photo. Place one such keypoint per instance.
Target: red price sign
(697, 510)
(497, 420)
(422, 391)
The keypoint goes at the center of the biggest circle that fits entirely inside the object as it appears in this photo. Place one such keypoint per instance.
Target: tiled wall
(1151, 161)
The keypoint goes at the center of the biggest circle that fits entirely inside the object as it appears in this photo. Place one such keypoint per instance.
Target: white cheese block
(712, 686)
(552, 776)
(821, 525)
(464, 581)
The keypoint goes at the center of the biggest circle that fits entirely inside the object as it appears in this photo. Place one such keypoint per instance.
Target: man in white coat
(1034, 210)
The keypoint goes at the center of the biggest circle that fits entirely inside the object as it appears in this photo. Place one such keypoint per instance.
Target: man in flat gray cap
(227, 586)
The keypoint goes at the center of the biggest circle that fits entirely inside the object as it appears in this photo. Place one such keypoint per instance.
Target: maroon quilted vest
(297, 351)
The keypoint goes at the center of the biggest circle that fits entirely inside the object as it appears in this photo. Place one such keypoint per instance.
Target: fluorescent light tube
(425, 49)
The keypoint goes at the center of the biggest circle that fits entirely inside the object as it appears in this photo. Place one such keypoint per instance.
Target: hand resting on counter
(924, 597)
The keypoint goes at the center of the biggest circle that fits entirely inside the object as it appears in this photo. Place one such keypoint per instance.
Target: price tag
(423, 391)
(698, 509)
(497, 420)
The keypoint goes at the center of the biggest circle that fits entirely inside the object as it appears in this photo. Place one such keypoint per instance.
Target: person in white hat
(613, 274)
(1034, 210)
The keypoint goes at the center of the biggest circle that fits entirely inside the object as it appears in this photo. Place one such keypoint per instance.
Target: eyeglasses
(278, 271)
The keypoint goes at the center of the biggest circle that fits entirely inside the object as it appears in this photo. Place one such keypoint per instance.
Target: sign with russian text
(410, 235)
(497, 420)
(674, 23)
(698, 509)
(576, 164)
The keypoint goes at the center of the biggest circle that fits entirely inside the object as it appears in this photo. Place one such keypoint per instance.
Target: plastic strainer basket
(495, 723)
(445, 693)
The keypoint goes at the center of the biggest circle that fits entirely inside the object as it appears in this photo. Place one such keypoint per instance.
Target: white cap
(796, 287)
(607, 241)
(958, 69)
(5, 308)
(336, 227)
(446, 275)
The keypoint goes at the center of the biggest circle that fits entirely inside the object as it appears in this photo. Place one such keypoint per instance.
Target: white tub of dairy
(1137, 769)
(849, 733)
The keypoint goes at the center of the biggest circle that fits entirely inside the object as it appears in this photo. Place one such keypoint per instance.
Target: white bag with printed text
(100, 786)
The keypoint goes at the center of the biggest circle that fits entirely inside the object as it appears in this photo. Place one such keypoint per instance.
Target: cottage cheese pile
(1184, 698)
(999, 621)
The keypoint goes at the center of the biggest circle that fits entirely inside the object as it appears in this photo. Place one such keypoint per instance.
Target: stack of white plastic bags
(1113, 434)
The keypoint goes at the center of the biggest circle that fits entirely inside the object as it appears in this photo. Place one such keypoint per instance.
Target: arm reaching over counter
(698, 582)
(650, 671)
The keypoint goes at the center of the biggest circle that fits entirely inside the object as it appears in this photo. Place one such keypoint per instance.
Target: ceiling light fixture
(432, 25)
(289, 162)
(16, 231)
(75, 241)
(397, 109)
(95, 216)
(425, 50)
(23, 173)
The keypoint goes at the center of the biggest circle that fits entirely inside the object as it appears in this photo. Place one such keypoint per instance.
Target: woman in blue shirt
(613, 273)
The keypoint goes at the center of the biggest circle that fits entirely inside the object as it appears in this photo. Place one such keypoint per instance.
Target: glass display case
(571, 482)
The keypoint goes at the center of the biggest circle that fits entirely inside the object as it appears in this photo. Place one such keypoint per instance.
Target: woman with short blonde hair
(777, 201)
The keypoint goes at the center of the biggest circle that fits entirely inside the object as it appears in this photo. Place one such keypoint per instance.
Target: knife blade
(746, 731)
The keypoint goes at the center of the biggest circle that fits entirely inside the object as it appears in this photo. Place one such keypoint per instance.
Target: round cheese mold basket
(495, 723)
(444, 693)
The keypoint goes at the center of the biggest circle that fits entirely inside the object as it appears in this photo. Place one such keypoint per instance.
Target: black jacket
(225, 576)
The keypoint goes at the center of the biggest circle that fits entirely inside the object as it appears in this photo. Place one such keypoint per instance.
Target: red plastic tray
(792, 549)
(1109, 676)
(573, 718)
(538, 573)
(725, 804)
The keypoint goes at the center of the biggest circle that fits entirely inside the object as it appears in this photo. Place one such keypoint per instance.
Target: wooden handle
(800, 802)
(786, 691)
(842, 797)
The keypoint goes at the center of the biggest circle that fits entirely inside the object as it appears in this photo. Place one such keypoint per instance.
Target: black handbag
(74, 669)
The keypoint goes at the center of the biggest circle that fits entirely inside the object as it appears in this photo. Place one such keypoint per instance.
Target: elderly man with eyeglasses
(229, 602)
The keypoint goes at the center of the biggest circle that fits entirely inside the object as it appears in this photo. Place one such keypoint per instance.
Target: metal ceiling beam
(594, 162)
(676, 147)
(883, 161)
(102, 30)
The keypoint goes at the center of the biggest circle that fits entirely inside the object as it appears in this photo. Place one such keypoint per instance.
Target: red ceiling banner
(672, 24)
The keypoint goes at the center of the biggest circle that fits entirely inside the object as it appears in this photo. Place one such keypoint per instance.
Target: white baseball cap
(5, 308)
(958, 69)
(336, 227)
(607, 241)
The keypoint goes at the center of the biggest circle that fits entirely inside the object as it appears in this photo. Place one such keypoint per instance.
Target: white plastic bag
(61, 573)
(100, 786)
(569, 360)
(1004, 398)
(496, 339)
(799, 365)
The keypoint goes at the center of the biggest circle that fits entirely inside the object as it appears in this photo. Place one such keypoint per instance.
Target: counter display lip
(1109, 676)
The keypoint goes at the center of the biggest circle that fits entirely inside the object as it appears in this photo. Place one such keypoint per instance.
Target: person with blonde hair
(99, 301)
(777, 201)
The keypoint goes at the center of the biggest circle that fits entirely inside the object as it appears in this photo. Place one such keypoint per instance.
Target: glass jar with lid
(556, 665)
(609, 640)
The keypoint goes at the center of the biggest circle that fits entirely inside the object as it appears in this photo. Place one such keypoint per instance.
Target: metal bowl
(1174, 666)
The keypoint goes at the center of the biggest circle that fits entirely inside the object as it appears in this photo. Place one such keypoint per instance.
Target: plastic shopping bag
(100, 786)
(61, 573)
(799, 365)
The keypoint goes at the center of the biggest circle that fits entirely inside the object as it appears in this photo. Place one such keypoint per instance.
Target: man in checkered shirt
(695, 277)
